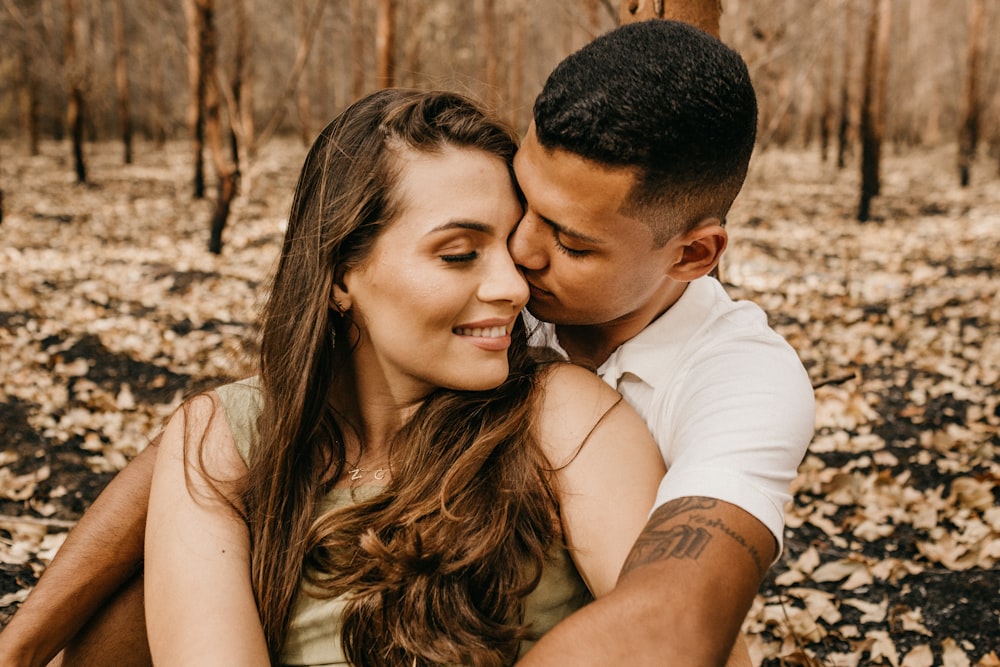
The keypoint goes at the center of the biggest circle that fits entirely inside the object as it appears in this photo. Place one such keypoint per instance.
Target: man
(640, 144)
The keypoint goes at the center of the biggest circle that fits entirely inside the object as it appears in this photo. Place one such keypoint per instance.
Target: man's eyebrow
(569, 232)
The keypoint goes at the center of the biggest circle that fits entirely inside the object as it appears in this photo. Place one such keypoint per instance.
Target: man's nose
(526, 245)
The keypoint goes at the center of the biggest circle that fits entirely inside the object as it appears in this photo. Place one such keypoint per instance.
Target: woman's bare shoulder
(571, 402)
(199, 433)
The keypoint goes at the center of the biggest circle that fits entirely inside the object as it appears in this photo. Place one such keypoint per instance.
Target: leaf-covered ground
(111, 309)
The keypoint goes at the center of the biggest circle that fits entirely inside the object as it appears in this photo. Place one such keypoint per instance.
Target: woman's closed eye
(460, 257)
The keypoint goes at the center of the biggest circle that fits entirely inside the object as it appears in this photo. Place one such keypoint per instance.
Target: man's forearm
(681, 598)
(100, 554)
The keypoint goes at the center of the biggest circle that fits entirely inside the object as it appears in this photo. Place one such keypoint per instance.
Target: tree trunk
(415, 35)
(357, 51)
(968, 136)
(843, 127)
(385, 39)
(826, 97)
(121, 78)
(241, 115)
(75, 117)
(299, 66)
(158, 122)
(197, 80)
(704, 14)
(29, 99)
(323, 72)
(873, 104)
(515, 94)
(487, 41)
(226, 172)
(303, 101)
(30, 80)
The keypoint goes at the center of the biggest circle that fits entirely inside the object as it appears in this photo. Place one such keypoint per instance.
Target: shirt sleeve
(736, 427)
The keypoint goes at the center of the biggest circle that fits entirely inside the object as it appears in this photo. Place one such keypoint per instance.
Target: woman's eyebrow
(463, 224)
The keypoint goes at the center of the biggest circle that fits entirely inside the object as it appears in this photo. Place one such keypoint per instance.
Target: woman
(402, 484)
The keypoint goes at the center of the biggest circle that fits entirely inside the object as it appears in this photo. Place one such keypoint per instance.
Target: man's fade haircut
(662, 98)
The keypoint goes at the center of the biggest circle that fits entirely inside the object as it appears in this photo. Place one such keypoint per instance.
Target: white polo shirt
(726, 398)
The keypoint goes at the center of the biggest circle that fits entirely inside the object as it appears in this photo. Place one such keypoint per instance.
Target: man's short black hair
(665, 99)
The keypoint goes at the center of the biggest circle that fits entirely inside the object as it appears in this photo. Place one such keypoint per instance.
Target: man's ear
(698, 250)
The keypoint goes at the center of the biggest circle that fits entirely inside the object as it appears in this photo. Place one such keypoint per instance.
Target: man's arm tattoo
(660, 541)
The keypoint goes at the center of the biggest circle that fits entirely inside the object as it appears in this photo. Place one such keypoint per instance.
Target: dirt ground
(111, 309)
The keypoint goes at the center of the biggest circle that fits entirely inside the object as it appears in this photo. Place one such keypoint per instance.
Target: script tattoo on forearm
(664, 537)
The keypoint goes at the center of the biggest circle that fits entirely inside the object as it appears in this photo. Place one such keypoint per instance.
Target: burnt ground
(111, 310)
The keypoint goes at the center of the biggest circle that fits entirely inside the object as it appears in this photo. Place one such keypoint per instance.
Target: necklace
(358, 472)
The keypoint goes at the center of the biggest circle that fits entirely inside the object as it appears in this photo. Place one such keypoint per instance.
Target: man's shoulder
(704, 317)
(708, 337)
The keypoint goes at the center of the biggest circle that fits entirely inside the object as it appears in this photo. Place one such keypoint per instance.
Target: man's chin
(547, 312)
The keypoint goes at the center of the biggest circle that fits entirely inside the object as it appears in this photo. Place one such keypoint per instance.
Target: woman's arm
(608, 470)
(200, 607)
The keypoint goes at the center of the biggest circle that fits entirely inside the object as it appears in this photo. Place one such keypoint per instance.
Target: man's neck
(592, 344)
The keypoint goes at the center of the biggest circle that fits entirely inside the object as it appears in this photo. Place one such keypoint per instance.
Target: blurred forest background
(132, 130)
(129, 69)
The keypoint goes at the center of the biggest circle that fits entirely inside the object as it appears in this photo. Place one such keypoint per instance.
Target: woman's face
(436, 300)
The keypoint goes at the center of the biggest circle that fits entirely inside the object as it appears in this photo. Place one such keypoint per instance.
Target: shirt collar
(656, 346)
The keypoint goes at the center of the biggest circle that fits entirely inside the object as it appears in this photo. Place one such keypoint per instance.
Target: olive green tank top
(314, 633)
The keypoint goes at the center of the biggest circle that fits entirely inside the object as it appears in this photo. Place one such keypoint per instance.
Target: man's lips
(537, 291)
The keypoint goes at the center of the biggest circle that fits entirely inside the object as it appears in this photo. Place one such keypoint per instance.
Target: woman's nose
(505, 283)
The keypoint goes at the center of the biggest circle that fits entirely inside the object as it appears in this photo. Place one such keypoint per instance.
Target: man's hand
(101, 554)
(681, 598)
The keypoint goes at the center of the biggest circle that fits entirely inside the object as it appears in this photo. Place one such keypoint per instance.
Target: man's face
(586, 263)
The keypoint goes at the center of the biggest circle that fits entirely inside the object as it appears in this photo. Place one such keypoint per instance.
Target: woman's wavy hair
(435, 567)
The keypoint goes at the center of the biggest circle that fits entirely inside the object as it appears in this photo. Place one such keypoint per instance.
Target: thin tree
(412, 50)
(241, 123)
(121, 77)
(323, 72)
(843, 127)
(704, 14)
(227, 174)
(873, 104)
(385, 44)
(158, 93)
(487, 40)
(826, 112)
(968, 135)
(303, 99)
(25, 15)
(298, 67)
(357, 51)
(197, 80)
(76, 73)
(515, 78)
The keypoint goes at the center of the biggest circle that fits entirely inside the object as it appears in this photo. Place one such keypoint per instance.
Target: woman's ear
(340, 296)
(700, 250)
(340, 300)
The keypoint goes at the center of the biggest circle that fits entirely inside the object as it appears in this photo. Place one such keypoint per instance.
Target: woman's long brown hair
(437, 565)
